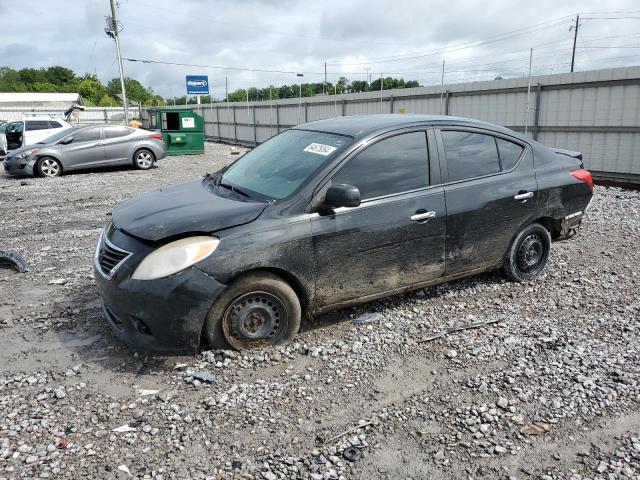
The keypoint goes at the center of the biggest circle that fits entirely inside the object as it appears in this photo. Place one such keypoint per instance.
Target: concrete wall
(595, 112)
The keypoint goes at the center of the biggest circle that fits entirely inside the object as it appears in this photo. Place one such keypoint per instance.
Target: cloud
(300, 36)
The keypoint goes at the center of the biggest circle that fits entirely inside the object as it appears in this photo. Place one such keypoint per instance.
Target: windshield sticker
(320, 149)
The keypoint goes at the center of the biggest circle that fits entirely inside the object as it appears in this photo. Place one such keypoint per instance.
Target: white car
(3, 139)
(32, 130)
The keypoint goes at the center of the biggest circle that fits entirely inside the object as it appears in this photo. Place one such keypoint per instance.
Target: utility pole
(368, 78)
(270, 113)
(381, 84)
(112, 31)
(575, 39)
(324, 85)
(526, 113)
(442, 88)
(226, 94)
(300, 98)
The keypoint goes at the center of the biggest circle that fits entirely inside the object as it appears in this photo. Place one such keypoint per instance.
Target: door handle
(523, 196)
(417, 217)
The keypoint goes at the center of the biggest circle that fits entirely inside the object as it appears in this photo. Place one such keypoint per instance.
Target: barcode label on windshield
(320, 149)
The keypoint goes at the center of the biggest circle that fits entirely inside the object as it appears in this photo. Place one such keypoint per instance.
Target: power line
(464, 46)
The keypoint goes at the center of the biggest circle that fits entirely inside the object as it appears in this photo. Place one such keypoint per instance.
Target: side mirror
(342, 195)
(66, 140)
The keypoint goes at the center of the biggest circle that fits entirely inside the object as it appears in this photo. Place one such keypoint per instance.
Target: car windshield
(279, 166)
(14, 127)
(58, 135)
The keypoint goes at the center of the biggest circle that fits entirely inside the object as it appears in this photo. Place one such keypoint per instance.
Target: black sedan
(329, 214)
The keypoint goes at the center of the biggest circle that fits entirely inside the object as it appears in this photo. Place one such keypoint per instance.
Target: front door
(395, 238)
(85, 149)
(490, 193)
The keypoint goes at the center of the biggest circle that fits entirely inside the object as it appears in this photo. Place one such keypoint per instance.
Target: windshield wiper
(233, 189)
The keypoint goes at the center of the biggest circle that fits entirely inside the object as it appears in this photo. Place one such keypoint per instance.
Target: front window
(393, 165)
(279, 166)
(57, 136)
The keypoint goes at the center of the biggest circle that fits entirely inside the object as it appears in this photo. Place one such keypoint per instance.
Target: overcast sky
(403, 38)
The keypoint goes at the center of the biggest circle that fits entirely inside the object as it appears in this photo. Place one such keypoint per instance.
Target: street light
(300, 97)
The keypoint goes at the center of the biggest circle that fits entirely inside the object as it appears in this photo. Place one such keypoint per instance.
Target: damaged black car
(329, 214)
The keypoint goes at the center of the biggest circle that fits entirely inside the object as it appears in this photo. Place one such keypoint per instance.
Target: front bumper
(164, 315)
(19, 167)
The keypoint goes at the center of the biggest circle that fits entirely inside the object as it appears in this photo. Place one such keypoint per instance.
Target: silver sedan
(84, 147)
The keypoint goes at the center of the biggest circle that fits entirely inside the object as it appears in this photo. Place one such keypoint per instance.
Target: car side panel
(483, 216)
(118, 150)
(277, 243)
(560, 194)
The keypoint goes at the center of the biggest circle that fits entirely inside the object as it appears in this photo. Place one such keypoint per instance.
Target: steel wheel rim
(50, 168)
(531, 253)
(254, 318)
(144, 159)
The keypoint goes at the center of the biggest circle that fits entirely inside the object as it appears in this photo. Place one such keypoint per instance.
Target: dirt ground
(549, 391)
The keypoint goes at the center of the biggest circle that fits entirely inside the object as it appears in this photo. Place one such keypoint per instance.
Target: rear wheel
(256, 310)
(143, 159)
(48, 167)
(528, 253)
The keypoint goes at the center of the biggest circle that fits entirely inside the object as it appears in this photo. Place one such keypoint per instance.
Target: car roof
(359, 126)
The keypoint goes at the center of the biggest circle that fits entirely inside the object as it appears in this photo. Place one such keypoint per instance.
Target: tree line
(95, 93)
(63, 80)
(343, 85)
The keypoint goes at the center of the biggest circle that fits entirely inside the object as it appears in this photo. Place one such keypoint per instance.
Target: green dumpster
(182, 130)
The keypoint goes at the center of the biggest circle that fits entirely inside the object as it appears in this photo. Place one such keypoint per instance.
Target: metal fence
(89, 115)
(596, 112)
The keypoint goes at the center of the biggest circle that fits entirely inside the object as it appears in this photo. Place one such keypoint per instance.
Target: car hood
(24, 148)
(190, 207)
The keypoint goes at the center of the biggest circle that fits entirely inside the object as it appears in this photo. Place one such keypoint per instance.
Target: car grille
(110, 257)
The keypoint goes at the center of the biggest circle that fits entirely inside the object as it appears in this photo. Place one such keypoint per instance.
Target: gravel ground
(550, 391)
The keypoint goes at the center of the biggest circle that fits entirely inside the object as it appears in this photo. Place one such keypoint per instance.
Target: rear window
(37, 125)
(509, 153)
(54, 124)
(116, 131)
(469, 154)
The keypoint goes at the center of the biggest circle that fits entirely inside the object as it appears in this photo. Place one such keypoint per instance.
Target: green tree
(136, 92)
(358, 86)
(60, 76)
(91, 90)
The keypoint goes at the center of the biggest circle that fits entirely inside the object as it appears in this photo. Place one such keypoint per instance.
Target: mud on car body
(329, 214)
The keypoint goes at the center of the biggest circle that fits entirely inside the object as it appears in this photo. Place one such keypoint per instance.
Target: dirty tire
(143, 159)
(256, 310)
(528, 253)
(48, 167)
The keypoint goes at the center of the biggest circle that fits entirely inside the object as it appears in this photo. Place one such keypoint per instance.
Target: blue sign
(197, 85)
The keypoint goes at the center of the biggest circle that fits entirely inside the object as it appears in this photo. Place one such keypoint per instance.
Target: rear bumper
(164, 315)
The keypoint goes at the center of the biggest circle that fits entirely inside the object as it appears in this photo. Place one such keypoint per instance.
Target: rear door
(85, 150)
(490, 193)
(118, 144)
(395, 238)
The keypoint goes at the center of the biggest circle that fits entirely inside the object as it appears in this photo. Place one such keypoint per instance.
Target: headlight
(27, 153)
(174, 257)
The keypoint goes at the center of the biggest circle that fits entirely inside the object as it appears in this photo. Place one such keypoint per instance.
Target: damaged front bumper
(19, 166)
(164, 315)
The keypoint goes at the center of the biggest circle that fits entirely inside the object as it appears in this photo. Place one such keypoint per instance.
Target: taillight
(584, 176)
(157, 136)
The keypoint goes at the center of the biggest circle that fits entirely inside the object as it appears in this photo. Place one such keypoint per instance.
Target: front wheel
(528, 253)
(257, 310)
(48, 167)
(143, 159)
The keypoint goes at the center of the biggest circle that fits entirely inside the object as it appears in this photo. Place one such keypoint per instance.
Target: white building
(30, 100)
